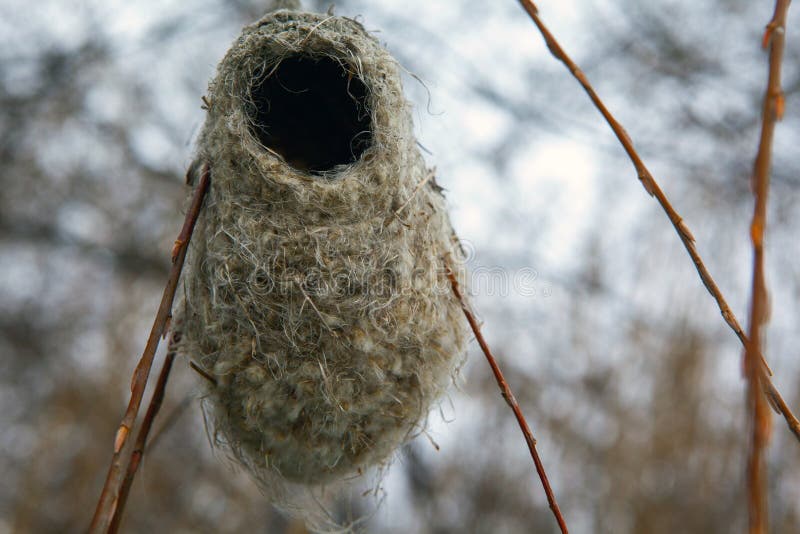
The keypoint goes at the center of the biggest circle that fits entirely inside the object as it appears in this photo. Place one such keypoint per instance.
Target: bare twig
(510, 400)
(141, 438)
(774, 38)
(652, 187)
(202, 372)
(781, 407)
(169, 421)
(111, 489)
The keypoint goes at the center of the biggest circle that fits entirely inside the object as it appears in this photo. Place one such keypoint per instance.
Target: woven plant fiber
(315, 293)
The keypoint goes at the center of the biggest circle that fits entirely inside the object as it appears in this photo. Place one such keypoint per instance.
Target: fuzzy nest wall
(315, 292)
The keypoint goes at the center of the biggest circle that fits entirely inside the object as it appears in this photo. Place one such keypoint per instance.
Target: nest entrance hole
(313, 112)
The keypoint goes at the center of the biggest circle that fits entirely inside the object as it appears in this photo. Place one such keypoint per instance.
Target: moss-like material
(315, 292)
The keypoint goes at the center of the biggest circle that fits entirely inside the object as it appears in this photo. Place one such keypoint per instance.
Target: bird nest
(315, 297)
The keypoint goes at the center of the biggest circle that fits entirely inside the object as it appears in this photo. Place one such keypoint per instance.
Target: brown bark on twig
(109, 497)
(759, 416)
(652, 187)
(510, 400)
(141, 438)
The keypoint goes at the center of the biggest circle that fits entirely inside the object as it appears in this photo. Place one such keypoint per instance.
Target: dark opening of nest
(313, 112)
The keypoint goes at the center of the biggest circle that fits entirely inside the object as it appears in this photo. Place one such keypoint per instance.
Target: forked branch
(652, 187)
(109, 497)
(144, 431)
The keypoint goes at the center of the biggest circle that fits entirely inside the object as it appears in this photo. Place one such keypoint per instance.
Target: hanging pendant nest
(315, 291)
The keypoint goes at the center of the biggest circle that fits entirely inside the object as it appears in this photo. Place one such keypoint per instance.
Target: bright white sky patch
(556, 179)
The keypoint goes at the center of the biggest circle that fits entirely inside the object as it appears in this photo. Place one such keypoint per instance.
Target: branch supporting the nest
(110, 496)
(759, 416)
(141, 438)
(508, 395)
(651, 186)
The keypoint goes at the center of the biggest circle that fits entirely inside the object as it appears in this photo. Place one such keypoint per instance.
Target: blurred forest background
(618, 356)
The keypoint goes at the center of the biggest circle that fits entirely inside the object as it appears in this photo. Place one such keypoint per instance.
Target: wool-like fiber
(315, 292)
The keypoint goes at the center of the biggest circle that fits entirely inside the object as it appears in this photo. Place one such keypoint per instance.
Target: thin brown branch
(780, 406)
(760, 423)
(169, 421)
(141, 438)
(202, 372)
(111, 489)
(510, 400)
(652, 187)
